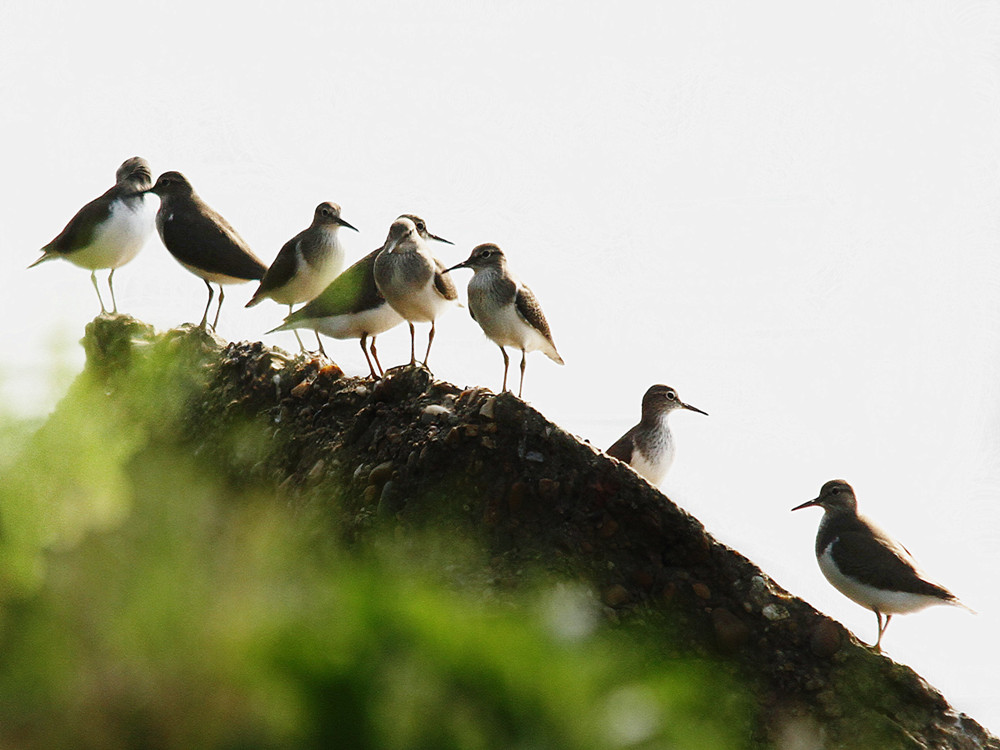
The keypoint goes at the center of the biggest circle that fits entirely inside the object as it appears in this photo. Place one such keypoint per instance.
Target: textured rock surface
(415, 452)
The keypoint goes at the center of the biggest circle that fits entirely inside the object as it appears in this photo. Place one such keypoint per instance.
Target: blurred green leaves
(150, 603)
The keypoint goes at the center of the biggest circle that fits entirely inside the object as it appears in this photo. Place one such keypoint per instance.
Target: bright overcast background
(786, 210)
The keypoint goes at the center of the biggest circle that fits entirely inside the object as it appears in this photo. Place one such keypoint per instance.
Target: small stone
(488, 442)
(774, 612)
(471, 430)
(370, 494)
(535, 457)
(731, 633)
(615, 595)
(701, 591)
(300, 390)
(488, 409)
(431, 412)
(380, 474)
(317, 470)
(608, 527)
(548, 489)
(825, 639)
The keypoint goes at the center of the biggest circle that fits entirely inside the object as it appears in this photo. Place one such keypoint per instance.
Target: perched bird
(412, 280)
(352, 306)
(506, 309)
(649, 446)
(866, 565)
(201, 240)
(307, 263)
(109, 231)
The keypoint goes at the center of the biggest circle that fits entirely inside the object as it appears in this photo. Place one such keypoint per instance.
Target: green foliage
(149, 603)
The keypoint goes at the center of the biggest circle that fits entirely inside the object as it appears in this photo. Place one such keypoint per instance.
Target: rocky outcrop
(414, 452)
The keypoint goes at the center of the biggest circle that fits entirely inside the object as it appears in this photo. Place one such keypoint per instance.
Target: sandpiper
(506, 309)
(865, 564)
(649, 446)
(413, 281)
(352, 306)
(201, 240)
(307, 263)
(109, 231)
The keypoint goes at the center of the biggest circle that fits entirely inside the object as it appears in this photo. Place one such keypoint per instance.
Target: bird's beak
(694, 408)
(463, 264)
(814, 501)
(346, 224)
(439, 239)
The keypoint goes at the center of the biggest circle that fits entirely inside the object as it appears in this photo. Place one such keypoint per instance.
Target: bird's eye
(421, 226)
(485, 253)
(671, 395)
(835, 491)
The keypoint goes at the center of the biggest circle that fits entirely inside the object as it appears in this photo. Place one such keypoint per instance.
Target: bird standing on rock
(865, 564)
(307, 263)
(352, 306)
(201, 240)
(109, 231)
(649, 446)
(413, 281)
(506, 310)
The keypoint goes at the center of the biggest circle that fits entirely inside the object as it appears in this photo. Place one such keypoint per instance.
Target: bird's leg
(506, 364)
(520, 387)
(211, 293)
(111, 286)
(413, 344)
(93, 280)
(218, 310)
(302, 347)
(364, 350)
(430, 340)
(881, 629)
(319, 343)
(378, 364)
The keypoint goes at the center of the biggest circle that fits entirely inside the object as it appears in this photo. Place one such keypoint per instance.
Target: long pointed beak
(694, 408)
(814, 501)
(463, 264)
(345, 224)
(439, 239)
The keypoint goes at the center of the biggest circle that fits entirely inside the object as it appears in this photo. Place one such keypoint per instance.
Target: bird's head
(836, 496)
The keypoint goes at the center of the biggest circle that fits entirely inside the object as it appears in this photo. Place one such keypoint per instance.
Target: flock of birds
(403, 280)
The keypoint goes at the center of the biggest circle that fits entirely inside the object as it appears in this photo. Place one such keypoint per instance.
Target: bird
(506, 310)
(414, 282)
(352, 306)
(649, 446)
(307, 263)
(865, 564)
(109, 231)
(201, 240)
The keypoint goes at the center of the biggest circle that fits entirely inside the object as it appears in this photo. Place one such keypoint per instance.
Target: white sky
(788, 211)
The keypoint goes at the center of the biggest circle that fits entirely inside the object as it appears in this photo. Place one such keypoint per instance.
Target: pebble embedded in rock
(825, 639)
(701, 591)
(487, 410)
(380, 474)
(615, 595)
(731, 633)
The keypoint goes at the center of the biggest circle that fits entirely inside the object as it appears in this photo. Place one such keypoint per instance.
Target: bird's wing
(79, 232)
(203, 239)
(528, 308)
(880, 561)
(443, 282)
(352, 291)
(282, 269)
(622, 449)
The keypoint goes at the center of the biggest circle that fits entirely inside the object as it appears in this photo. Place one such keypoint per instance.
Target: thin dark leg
(430, 340)
(378, 364)
(364, 350)
(506, 364)
(111, 286)
(211, 293)
(218, 310)
(520, 387)
(93, 280)
(319, 343)
(413, 344)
